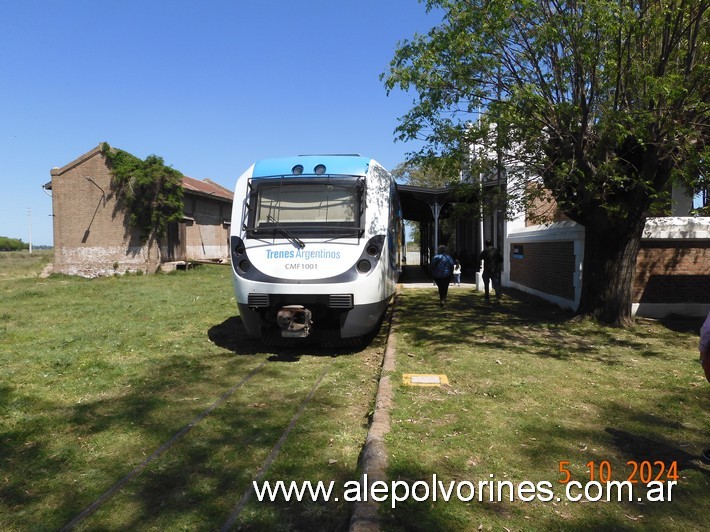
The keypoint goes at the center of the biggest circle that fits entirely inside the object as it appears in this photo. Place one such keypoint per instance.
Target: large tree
(604, 102)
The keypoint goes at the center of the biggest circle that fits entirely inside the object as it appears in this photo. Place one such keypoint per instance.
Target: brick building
(544, 252)
(91, 232)
(672, 268)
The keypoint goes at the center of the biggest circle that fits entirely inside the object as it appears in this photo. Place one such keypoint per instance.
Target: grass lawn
(18, 264)
(98, 374)
(529, 390)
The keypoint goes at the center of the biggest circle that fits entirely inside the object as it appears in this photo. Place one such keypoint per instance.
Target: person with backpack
(442, 266)
(492, 260)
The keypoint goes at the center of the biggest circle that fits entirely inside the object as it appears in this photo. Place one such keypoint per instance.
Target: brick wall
(543, 209)
(545, 266)
(672, 268)
(673, 271)
(667, 272)
(91, 233)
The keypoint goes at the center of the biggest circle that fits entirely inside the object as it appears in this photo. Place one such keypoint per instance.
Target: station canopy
(419, 204)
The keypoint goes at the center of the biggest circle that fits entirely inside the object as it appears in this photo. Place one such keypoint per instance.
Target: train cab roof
(351, 164)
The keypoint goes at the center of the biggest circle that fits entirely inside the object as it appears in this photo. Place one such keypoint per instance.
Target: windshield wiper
(285, 232)
(357, 233)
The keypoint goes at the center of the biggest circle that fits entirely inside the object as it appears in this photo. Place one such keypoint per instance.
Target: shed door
(176, 241)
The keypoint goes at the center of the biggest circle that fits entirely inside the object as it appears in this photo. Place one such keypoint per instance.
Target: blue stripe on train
(334, 164)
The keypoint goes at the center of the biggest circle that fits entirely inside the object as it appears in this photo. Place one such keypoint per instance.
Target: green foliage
(151, 191)
(606, 102)
(431, 173)
(702, 211)
(12, 244)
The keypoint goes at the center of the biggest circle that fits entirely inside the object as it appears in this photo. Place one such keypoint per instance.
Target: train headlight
(240, 260)
(297, 170)
(371, 255)
(319, 169)
(364, 266)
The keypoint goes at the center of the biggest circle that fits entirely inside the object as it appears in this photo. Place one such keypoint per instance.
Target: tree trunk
(608, 271)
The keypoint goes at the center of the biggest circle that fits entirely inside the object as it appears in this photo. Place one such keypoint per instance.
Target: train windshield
(305, 207)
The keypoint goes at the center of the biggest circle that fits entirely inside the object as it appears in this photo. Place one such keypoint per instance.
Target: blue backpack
(442, 266)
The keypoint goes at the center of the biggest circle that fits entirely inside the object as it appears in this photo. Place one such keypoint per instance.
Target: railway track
(313, 384)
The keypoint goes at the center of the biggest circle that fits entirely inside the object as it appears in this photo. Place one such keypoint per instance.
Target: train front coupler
(294, 321)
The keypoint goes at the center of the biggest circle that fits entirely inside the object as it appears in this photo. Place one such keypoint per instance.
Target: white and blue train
(316, 243)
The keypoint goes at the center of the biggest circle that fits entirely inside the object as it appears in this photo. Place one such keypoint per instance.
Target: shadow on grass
(641, 448)
(205, 480)
(682, 324)
(648, 428)
(523, 324)
(200, 477)
(550, 444)
(231, 335)
(110, 410)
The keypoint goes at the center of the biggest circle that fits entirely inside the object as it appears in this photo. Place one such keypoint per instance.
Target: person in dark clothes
(492, 262)
(442, 266)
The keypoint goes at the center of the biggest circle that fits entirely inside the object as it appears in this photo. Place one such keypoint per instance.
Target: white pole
(29, 215)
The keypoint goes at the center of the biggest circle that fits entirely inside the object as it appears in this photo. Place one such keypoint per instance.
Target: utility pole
(29, 216)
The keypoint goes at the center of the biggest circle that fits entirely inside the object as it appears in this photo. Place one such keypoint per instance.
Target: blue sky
(210, 86)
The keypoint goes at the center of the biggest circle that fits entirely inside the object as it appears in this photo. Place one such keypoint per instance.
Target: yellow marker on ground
(424, 379)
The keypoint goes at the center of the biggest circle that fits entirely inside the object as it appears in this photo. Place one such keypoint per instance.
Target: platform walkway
(417, 277)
